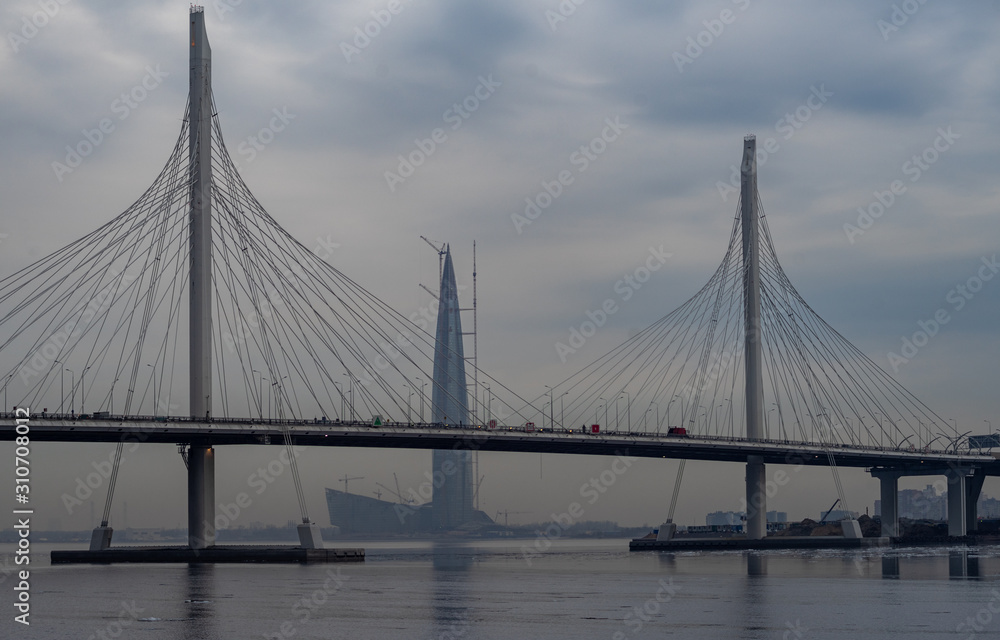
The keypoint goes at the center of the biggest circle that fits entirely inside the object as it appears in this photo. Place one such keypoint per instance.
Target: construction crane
(440, 251)
(475, 496)
(403, 499)
(345, 480)
(400, 493)
(828, 511)
(507, 513)
(433, 295)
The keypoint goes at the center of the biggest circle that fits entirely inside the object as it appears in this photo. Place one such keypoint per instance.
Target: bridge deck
(512, 439)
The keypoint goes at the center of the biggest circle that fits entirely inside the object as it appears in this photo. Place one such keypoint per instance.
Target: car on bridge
(677, 431)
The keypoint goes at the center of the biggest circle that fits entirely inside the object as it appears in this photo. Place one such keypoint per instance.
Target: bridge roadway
(229, 431)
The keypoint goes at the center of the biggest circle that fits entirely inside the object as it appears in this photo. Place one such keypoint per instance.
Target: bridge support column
(890, 503)
(973, 487)
(201, 496)
(756, 524)
(956, 504)
(756, 508)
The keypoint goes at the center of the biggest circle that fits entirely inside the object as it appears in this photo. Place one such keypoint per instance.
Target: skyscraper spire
(452, 469)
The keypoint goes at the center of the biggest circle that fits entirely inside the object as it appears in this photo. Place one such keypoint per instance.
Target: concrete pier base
(100, 539)
(216, 554)
(851, 528)
(666, 531)
(310, 536)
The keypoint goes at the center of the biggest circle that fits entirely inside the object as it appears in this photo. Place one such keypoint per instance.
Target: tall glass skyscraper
(453, 481)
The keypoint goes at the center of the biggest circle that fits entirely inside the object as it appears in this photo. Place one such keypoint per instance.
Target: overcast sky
(853, 96)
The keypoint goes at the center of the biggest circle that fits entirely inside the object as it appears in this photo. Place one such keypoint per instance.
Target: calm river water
(497, 589)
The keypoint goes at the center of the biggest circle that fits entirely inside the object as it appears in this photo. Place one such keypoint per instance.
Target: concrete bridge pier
(889, 481)
(973, 487)
(756, 510)
(964, 486)
(201, 496)
(956, 503)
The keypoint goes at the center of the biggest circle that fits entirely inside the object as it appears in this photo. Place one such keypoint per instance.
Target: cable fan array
(686, 370)
(293, 337)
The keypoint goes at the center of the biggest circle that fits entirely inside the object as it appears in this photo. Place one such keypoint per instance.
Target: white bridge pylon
(746, 357)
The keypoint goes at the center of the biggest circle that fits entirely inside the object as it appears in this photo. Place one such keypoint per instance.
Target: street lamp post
(83, 392)
(270, 395)
(340, 392)
(72, 390)
(423, 384)
(628, 409)
(552, 422)
(489, 402)
(350, 392)
(409, 404)
(154, 388)
(270, 389)
(562, 410)
(260, 394)
(672, 400)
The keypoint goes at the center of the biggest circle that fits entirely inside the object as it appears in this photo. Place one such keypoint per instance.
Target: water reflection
(961, 564)
(756, 564)
(200, 602)
(890, 567)
(450, 590)
(756, 615)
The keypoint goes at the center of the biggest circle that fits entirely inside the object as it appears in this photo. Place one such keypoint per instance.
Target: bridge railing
(325, 422)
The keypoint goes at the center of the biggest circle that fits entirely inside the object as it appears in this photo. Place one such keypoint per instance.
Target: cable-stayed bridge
(194, 318)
